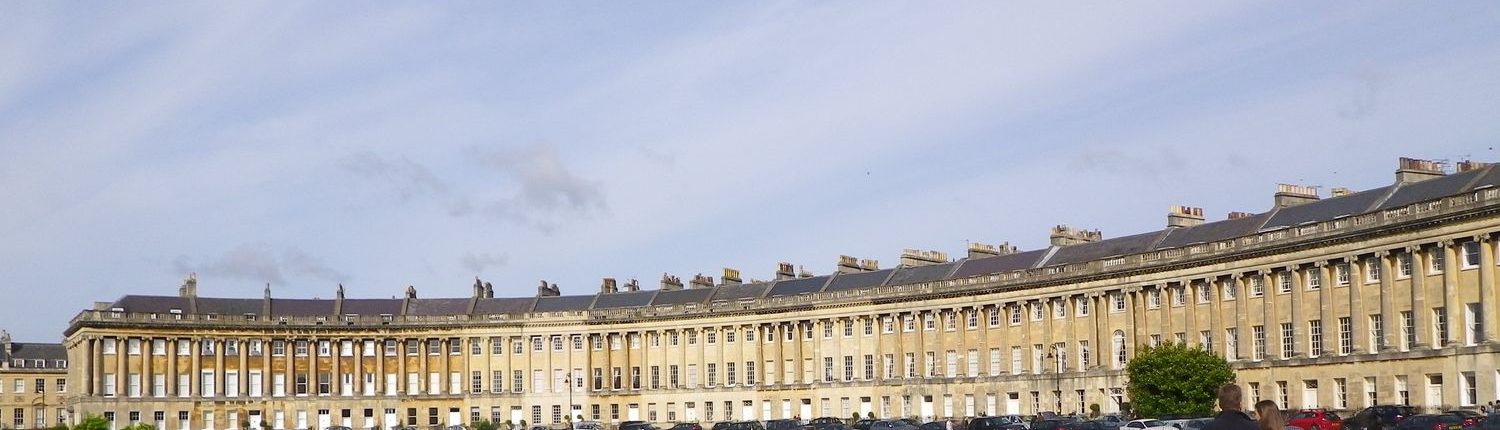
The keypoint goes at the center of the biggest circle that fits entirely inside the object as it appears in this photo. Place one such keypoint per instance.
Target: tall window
(1377, 333)
(1341, 273)
(1314, 278)
(1439, 326)
(1403, 265)
(1471, 255)
(1117, 301)
(1372, 269)
(1283, 282)
(1408, 330)
(1346, 336)
(1231, 344)
(1286, 340)
(1257, 286)
(1117, 345)
(1315, 338)
(1258, 334)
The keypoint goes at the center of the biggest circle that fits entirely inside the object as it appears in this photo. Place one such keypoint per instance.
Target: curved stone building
(1377, 296)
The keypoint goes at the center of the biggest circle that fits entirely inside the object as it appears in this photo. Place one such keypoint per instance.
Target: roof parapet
(1062, 235)
(1184, 216)
(921, 257)
(1410, 170)
(980, 250)
(1288, 195)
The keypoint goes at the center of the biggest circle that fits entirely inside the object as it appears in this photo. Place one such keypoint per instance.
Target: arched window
(1119, 348)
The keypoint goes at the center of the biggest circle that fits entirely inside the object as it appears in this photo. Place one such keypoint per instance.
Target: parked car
(1147, 425)
(739, 425)
(1084, 425)
(1471, 418)
(1111, 421)
(637, 425)
(1003, 422)
(590, 425)
(1431, 422)
(781, 424)
(943, 425)
(1315, 419)
(1379, 417)
(892, 425)
(863, 424)
(686, 426)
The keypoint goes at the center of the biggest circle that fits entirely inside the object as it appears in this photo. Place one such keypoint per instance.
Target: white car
(1147, 425)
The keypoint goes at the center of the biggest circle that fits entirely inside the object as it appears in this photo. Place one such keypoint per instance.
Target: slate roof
(998, 264)
(151, 304)
(298, 307)
(1106, 248)
(210, 305)
(438, 307)
(679, 297)
(857, 281)
(1433, 188)
(628, 299)
(1327, 209)
(792, 287)
(563, 303)
(744, 291)
(372, 306)
(48, 352)
(504, 305)
(1213, 231)
(910, 275)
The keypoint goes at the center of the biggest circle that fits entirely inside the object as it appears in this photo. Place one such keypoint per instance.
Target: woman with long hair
(1268, 416)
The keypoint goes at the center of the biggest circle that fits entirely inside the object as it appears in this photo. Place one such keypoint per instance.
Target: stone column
(336, 380)
(172, 370)
(1190, 312)
(195, 374)
(1419, 311)
(122, 367)
(1215, 314)
(1299, 283)
(146, 357)
(92, 364)
(1450, 291)
(380, 367)
(1164, 305)
(1325, 316)
(1486, 288)
(1269, 291)
(219, 373)
(1390, 324)
(1241, 313)
(265, 369)
(1131, 313)
(1358, 318)
(423, 385)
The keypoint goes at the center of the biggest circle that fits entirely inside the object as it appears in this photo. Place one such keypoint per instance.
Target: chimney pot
(608, 286)
(1063, 235)
(731, 276)
(1415, 170)
(918, 257)
(1339, 192)
(670, 282)
(1238, 215)
(784, 271)
(1184, 216)
(1288, 195)
(1467, 165)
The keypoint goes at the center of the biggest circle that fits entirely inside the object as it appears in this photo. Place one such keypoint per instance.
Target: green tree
(92, 422)
(485, 425)
(140, 426)
(1174, 379)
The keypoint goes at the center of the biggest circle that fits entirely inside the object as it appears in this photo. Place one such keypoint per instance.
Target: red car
(1315, 419)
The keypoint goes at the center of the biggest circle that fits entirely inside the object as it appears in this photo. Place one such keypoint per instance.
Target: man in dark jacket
(1231, 415)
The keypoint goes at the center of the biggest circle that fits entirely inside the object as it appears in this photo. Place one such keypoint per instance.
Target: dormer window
(61, 364)
(386, 317)
(350, 317)
(249, 317)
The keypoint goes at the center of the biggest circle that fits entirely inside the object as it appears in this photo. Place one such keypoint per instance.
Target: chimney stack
(981, 250)
(1339, 192)
(802, 272)
(700, 281)
(189, 286)
(731, 277)
(670, 283)
(1184, 216)
(1288, 195)
(784, 271)
(608, 286)
(489, 291)
(1416, 170)
(849, 264)
(5, 345)
(632, 285)
(1467, 165)
(478, 288)
(411, 292)
(547, 290)
(1238, 215)
(918, 257)
(1063, 235)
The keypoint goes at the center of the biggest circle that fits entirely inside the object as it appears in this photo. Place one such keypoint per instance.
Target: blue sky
(381, 145)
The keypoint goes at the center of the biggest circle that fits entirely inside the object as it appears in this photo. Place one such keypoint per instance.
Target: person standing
(1271, 417)
(1231, 411)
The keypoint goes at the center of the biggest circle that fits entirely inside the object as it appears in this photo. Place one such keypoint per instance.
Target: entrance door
(806, 413)
(390, 419)
(633, 412)
(515, 415)
(324, 420)
(254, 420)
(865, 407)
(926, 412)
(453, 417)
(1013, 404)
